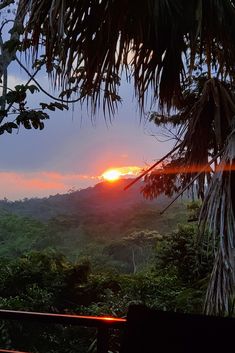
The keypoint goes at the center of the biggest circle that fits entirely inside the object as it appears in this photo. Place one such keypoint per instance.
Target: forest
(94, 262)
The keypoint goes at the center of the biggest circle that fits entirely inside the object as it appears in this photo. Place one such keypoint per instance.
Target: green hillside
(95, 252)
(84, 222)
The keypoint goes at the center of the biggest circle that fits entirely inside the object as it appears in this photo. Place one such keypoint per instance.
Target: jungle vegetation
(88, 263)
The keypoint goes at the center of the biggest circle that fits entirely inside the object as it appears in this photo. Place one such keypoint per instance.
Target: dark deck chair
(150, 331)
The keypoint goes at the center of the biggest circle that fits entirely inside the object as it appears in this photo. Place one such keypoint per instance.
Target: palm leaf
(208, 125)
(204, 123)
(100, 34)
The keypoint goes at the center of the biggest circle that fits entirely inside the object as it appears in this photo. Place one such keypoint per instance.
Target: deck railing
(147, 330)
(102, 324)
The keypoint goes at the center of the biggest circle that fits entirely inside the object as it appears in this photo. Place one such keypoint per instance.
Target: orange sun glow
(111, 175)
(114, 174)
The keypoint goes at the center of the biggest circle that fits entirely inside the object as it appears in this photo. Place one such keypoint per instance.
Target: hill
(84, 222)
(104, 198)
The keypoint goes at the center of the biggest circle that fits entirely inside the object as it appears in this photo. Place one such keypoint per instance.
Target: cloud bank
(19, 185)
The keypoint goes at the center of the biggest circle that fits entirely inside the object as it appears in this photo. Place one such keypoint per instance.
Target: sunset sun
(114, 174)
(111, 175)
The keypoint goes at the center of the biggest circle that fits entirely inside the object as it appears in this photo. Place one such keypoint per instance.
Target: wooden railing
(102, 324)
(147, 330)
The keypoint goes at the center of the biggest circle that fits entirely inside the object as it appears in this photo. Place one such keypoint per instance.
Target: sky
(72, 152)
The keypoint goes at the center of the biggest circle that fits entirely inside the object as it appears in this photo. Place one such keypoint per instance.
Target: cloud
(14, 80)
(130, 170)
(127, 171)
(17, 185)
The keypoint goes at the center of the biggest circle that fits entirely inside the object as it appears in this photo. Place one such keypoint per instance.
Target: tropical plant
(181, 253)
(14, 110)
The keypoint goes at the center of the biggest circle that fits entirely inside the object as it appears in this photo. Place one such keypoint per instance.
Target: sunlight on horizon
(111, 175)
(114, 174)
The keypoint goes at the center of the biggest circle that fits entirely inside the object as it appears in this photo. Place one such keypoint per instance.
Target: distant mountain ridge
(83, 222)
(103, 197)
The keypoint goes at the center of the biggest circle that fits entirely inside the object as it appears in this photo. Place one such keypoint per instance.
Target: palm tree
(183, 52)
(93, 41)
(207, 138)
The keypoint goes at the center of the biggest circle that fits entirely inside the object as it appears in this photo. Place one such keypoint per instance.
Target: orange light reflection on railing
(106, 318)
(26, 314)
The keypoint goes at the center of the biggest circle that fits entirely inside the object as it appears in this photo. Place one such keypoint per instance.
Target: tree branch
(5, 3)
(4, 80)
(43, 90)
(192, 181)
(7, 56)
(153, 166)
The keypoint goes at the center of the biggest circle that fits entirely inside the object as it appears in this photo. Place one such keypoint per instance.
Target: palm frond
(164, 180)
(205, 121)
(149, 38)
(209, 123)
